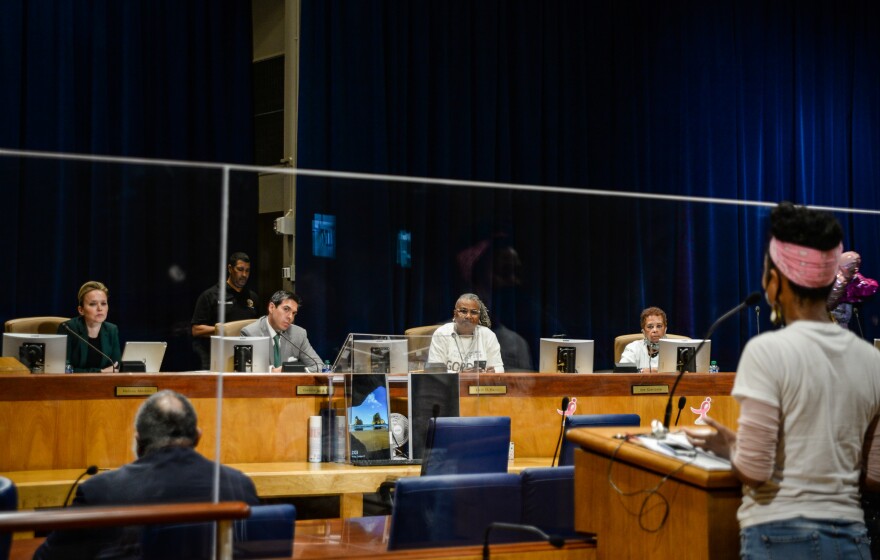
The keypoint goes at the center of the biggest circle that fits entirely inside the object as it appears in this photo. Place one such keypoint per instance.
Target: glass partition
(562, 275)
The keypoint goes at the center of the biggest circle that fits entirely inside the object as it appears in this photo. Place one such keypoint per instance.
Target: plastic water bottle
(326, 368)
(68, 368)
(713, 367)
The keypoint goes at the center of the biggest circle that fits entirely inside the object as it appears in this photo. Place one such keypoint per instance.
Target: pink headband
(807, 267)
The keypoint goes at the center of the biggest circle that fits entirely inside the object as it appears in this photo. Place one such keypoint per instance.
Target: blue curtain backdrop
(152, 78)
(763, 101)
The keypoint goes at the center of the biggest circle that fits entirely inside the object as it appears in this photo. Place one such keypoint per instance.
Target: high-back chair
(232, 328)
(34, 325)
(566, 454)
(453, 510)
(621, 341)
(8, 502)
(267, 533)
(548, 499)
(467, 445)
(419, 341)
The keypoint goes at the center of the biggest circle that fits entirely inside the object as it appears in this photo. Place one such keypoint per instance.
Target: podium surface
(642, 504)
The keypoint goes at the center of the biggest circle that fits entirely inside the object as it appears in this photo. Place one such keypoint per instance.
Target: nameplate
(650, 389)
(136, 391)
(487, 390)
(312, 390)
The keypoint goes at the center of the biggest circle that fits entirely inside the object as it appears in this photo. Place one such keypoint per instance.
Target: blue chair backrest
(453, 510)
(8, 502)
(548, 499)
(267, 533)
(566, 454)
(467, 445)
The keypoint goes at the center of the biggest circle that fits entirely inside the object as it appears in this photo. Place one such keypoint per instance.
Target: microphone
(92, 346)
(91, 470)
(751, 299)
(858, 320)
(758, 318)
(555, 541)
(681, 402)
(561, 430)
(302, 352)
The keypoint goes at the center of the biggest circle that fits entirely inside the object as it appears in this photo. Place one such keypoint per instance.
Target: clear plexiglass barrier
(415, 301)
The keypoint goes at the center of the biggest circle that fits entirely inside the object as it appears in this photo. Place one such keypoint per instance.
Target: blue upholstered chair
(566, 455)
(467, 445)
(267, 533)
(548, 499)
(453, 510)
(8, 502)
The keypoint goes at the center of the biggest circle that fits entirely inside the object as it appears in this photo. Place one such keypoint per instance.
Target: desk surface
(367, 538)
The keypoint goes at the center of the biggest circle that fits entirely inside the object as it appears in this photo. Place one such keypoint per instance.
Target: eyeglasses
(465, 312)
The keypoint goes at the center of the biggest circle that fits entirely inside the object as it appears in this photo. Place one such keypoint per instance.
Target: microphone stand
(301, 352)
(752, 299)
(92, 346)
(556, 542)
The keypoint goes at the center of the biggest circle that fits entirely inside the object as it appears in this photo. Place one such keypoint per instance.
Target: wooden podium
(692, 514)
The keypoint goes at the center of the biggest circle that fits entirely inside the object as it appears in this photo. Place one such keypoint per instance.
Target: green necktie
(277, 356)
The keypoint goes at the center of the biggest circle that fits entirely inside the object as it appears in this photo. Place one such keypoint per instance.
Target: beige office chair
(233, 328)
(34, 325)
(420, 341)
(621, 341)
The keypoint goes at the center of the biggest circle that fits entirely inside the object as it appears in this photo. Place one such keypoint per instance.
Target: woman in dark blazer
(91, 332)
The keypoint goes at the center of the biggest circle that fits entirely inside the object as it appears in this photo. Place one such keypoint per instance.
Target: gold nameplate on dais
(136, 391)
(312, 390)
(650, 389)
(487, 390)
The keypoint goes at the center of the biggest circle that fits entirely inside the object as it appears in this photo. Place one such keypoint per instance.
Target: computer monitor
(430, 395)
(247, 354)
(566, 355)
(368, 414)
(674, 352)
(40, 353)
(379, 356)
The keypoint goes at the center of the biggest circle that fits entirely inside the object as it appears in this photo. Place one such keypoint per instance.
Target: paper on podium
(676, 445)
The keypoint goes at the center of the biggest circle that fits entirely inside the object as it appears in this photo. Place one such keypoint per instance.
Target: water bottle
(713, 367)
(68, 368)
(326, 368)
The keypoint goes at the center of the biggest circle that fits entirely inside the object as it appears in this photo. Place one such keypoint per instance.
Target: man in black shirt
(239, 305)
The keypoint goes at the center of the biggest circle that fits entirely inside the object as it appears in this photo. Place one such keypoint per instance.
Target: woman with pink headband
(809, 397)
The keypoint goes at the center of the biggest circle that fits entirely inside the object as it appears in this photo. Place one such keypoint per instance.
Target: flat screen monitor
(246, 354)
(674, 352)
(150, 353)
(430, 395)
(379, 356)
(566, 355)
(368, 414)
(40, 353)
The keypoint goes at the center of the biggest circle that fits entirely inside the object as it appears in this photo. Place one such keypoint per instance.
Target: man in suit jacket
(288, 340)
(168, 469)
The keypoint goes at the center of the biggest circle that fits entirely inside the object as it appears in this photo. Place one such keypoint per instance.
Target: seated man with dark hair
(289, 342)
(168, 469)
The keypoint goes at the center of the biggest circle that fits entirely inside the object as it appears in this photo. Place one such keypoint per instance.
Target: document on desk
(676, 445)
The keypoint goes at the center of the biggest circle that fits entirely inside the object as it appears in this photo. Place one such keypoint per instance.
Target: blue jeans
(805, 538)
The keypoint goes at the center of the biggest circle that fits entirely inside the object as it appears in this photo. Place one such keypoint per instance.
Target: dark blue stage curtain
(146, 78)
(762, 101)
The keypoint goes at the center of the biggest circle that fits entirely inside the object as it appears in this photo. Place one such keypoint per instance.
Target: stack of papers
(676, 445)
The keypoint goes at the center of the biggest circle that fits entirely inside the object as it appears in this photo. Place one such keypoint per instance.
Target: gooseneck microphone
(555, 541)
(750, 300)
(92, 346)
(302, 352)
(91, 470)
(561, 430)
(682, 400)
(758, 318)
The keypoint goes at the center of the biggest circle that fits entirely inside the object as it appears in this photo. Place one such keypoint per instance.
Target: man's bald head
(165, 419)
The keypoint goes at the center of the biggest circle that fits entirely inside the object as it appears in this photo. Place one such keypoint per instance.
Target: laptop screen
(368, 415)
